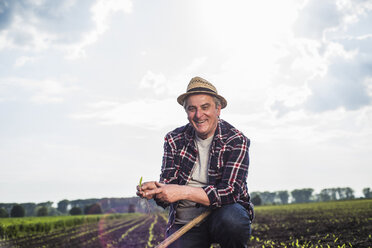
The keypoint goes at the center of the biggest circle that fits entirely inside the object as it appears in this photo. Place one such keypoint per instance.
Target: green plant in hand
(140, 183)
(147, 204)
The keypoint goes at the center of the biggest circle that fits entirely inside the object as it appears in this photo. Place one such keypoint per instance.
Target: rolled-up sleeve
(169, 169)
(234, 173)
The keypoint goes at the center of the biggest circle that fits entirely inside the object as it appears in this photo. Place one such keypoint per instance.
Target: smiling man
(205, 165)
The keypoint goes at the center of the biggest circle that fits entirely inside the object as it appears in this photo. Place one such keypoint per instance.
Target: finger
(139, 194)
(146, 185)
(147, 195)
(159, 184)
(155, 191)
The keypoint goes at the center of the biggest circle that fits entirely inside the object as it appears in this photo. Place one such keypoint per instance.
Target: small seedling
(147, 204)
(140, 183)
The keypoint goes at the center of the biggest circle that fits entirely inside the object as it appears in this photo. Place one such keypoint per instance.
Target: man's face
(202, 114)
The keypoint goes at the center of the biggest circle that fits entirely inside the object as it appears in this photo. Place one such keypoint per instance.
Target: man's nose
(199, 113)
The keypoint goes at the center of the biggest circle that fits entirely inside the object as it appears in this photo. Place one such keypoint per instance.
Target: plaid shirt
(228, 165)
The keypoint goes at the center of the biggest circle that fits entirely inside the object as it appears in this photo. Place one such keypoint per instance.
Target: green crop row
(18, 227)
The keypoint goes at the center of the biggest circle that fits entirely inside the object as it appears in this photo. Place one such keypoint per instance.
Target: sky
(88, 91)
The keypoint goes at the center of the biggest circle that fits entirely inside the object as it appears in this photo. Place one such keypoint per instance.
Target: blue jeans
(229, 226)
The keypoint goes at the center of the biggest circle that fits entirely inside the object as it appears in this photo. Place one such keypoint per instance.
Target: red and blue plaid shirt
(228, 165)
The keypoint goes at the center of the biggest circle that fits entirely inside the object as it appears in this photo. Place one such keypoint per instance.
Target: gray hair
(216, 100)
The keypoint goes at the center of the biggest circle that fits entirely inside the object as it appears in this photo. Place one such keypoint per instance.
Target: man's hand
(146, 190)
(168, 192)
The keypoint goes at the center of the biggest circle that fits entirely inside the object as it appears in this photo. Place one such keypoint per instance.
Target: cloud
(36, 91)
(23, 60)
(144, 113)
(343, 86)
(155, 82)
(101, 11)
(330, 56)
(66, 25)
(5, 13)
(38, 25)
(316, 17)
(171, 85)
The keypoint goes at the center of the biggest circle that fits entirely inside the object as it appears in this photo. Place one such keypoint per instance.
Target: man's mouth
(200, 122)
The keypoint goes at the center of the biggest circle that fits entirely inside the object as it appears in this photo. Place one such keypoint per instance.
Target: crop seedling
(140, 182)
(147, 203)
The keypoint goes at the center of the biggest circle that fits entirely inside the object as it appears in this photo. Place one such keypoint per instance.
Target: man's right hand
(145, 189)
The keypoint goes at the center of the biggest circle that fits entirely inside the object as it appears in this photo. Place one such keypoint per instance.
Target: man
(205, 165)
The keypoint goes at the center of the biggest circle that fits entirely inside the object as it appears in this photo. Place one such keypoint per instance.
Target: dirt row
(106, 233)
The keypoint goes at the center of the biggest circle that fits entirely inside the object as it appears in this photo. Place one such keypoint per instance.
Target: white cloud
(25, 35)
(37, 91)
(64, 25)
(144, 113)
(195, 65)
(21, 61)
(155, 82)
(101, 11)
(368, 83)
(290, 96)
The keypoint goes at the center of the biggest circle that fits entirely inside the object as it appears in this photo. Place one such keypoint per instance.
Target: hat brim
(182, 97)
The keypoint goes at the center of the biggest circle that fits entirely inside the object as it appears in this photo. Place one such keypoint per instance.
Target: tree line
(78, 207)
(305, 195)
(135, 204)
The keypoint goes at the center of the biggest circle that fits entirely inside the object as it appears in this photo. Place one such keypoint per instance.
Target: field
(118, 230)
(331, 224)
(324, 224)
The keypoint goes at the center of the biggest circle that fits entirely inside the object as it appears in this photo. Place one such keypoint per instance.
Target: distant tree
(53, 212)
(256, 200)
(131, 208)
(341, 193)
(17, 211)
(62, 206)
(82, 203)
(302, 195)
(93, 209)
(47, 204)
(77, 203)
(3, 213)
(367, 193)
(267, 197)
(42, 211)
(283, 196)
(105, 204)
(349, 193)
(325, 195)
(76, 211)
(334, 194)
(29, 208)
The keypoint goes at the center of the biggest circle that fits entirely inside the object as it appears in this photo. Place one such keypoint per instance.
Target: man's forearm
(170, 193)
(195, 194)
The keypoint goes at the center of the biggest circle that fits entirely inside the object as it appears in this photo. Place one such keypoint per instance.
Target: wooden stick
(183, 230)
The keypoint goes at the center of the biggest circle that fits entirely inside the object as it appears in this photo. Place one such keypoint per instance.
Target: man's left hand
(167, 192)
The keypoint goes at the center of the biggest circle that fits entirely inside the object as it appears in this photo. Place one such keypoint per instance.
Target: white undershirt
(187, 210)
(199, 175)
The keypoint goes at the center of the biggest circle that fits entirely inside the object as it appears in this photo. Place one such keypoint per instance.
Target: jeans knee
(232, 219)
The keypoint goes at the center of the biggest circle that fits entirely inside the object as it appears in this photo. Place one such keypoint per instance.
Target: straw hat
(200, 85)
